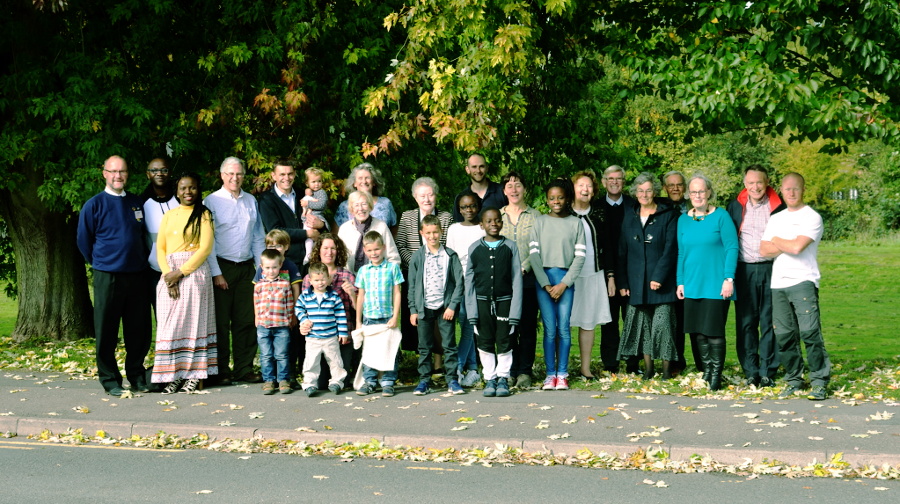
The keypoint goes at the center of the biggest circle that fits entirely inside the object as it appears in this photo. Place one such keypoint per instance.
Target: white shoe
(470, 379)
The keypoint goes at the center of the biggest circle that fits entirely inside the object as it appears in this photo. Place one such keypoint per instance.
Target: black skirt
(706, 316)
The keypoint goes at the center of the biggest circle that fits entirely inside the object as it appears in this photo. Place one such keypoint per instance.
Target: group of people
(233, 274)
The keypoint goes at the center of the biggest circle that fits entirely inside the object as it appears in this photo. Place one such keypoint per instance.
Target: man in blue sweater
(111, 238)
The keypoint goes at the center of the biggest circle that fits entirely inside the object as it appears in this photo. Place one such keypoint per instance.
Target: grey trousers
(795, 315)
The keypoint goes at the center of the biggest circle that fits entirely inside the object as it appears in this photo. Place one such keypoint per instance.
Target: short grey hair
(424, 181)
(230, 160)
(613, 169)
(355, 196)
(377, 181)
(700, 176)
(642, 179)
(673, 172)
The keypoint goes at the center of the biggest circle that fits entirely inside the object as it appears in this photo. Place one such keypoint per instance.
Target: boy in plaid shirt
(378, 302)
(272, 303)
(323, 320)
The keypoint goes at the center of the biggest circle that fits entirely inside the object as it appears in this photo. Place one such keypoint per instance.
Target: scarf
(359, 255)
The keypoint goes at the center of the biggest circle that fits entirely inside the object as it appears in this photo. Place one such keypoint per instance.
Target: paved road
(796, 431)
(41, 473)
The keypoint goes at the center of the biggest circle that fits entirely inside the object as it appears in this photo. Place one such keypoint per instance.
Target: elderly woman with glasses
(647, 255)
(365, 177)
(707, 260)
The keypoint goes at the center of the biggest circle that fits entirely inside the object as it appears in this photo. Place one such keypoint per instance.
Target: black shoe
(311, 390)
(140, 385)
(251, 377)
(717, 362)
(116, 391)
(765, 381)
(755, 381)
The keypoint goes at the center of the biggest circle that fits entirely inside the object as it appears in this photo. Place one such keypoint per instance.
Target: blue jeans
(371, 375)
(555, 316)
(273, 348)
(466, 346)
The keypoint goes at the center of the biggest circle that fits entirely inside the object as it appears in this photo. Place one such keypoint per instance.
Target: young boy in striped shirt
(323, 321)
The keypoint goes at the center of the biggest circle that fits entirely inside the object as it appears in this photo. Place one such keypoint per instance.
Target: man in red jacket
(756, 346)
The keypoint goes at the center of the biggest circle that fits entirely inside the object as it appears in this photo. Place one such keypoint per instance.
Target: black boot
(717, 360)
(703, 346)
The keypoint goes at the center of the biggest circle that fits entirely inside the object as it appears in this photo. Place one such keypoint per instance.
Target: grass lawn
(858, 289)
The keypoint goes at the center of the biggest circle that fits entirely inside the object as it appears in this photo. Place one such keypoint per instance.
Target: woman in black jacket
(648, 252)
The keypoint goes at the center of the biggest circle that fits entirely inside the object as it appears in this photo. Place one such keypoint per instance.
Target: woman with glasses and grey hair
(365, 177)
(707, 260)
(647, 255)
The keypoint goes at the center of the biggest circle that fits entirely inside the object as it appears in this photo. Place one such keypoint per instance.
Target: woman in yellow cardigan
(185, 316)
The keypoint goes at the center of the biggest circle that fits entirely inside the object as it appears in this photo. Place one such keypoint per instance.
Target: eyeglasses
(644, 191)
(699, 193)
(159, 171)
(468, 207)
(674, 186)
(116, 172)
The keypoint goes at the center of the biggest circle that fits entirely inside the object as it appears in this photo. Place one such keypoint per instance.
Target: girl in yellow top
(185, 316)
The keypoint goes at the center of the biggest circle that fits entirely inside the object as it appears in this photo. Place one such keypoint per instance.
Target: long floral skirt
(649, 329)
(185, 327)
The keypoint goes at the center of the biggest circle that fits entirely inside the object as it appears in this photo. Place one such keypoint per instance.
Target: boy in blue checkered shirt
(323, 320)
(378, 302)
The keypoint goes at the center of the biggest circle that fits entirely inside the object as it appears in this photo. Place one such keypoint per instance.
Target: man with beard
(490, 192)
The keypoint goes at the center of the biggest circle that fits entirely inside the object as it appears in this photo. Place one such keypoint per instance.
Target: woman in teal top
(707, 259)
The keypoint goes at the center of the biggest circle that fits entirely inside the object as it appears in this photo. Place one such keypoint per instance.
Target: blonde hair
(314, 171)
(278, 237)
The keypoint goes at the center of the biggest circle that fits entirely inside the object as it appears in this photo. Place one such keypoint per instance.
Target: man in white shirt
(240, 240)
(792, 239)
(159, 198)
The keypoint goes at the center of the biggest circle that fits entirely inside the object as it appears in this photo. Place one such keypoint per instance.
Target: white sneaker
(470, 379)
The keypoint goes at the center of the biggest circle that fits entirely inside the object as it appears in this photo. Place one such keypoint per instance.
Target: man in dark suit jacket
(614, 204)
(280, 208)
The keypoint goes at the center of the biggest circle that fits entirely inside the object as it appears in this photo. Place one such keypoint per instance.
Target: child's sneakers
(311, 391)
(422, 388)
(454, 388)
(502, 387)
(366, 389)
(490, 388)
(469, 379)
(335, 388)
(562, 384)
(269, 388)
(387, 391)
(284, 387)
(549, 383)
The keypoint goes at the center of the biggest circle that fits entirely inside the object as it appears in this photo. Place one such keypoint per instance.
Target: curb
(26, 426)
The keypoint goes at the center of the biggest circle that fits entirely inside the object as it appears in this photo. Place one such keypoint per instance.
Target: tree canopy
(543, 87)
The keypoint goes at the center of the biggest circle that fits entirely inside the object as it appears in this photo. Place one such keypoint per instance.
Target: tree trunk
(53, 293)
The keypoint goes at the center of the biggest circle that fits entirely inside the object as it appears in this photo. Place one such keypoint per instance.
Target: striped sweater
(328, 315)
(557, 243)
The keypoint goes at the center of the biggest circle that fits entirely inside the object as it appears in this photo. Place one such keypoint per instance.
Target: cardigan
(408, 238)
(350, 236)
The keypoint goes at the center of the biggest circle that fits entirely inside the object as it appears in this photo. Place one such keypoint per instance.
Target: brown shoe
(251, 377)
(269, 388)
(284, 387)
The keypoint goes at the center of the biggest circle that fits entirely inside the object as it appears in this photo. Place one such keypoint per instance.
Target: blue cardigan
(707, 254)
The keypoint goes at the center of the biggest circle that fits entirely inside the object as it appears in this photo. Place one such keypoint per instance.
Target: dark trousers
(493, 327)
(121, 297)
(795, 316)
(235, 323)
(525, 340)
(756, 347)
(447, 328)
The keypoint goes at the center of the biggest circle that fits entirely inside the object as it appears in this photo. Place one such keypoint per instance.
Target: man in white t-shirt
(792, 239)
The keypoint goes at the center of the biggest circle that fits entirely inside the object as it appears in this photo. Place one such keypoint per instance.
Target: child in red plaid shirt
(273, 302)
